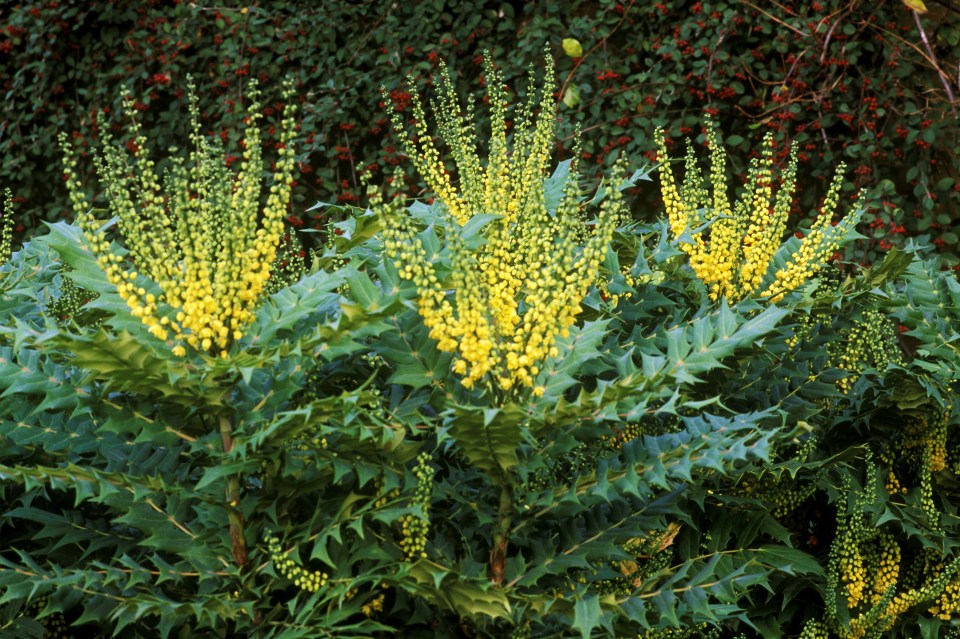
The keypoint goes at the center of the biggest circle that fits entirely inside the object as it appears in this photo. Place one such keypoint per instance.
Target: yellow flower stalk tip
(201, 255)
(731, 247)
(509, 299)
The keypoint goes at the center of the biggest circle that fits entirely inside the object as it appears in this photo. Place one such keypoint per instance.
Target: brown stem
(498, 553)
(237, 542)
(943, 76)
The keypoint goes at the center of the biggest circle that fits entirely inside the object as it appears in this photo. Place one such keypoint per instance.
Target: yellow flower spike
(508, 300)
(197, 238)
(731, 248)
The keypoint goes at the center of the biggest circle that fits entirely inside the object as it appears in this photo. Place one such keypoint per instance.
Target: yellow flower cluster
(853, 574)
(878, 581)
(507, 300)
(730, 248)
(308, 580)
(871, 580)
(946, 606)
(925, 439)
(375, 605)
(623, 434)
(203, 260)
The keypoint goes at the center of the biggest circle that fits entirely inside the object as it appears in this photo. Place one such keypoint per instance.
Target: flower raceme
(196, 239)
(508, 299)
(6, 227)
(731, 247)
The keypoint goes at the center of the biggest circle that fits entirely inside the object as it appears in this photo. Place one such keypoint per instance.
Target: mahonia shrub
(688, 469)
(732, 247)
(203, 261)
(521, 259)
(870, 497)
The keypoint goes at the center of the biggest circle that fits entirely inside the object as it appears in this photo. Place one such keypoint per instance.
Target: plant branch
(498, 553)
(237, 541)
(799, 32)
(933, 60)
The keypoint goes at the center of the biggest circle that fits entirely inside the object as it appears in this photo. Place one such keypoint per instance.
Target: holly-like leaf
(126, 363)
(488, 437)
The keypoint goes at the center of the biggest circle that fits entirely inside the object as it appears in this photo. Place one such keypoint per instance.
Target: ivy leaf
(466, 598)
(893, 265)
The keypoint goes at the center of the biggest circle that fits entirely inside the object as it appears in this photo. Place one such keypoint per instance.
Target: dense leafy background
(845, 80)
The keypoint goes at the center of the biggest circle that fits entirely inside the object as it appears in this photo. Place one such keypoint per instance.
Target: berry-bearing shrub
(201, 259)
(731, 246)
(521, 288)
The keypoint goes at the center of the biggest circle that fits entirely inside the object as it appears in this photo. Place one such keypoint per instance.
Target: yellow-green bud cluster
(730, 248)
(307, 580)
(523, 631)
(871, 342)
(384, 497)
(375, 605)
(54, 625)
(692, 631)
(783, 494)
(203, 260)
(651, 554)
(814, 629)
(510, 298)
(6, 227)
(927, 501)
(289, 264)
(68, 303)
(416, 527)
(612, 299)
(623, 434)
(803, 332)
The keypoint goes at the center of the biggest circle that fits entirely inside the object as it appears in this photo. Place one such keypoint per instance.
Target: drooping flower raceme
(731, 247)
(201, 259)
(507, 300)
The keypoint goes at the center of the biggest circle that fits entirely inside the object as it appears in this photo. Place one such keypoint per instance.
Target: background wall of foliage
(844, 79)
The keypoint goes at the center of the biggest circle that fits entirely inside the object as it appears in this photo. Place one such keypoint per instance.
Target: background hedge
(845, 80)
